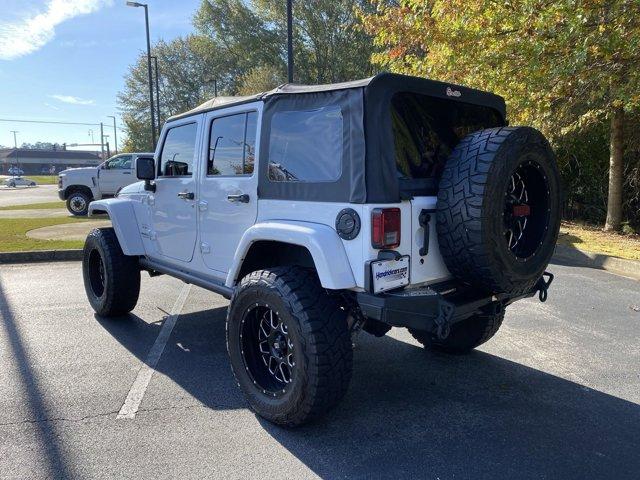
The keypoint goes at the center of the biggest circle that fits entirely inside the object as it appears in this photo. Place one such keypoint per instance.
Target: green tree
(241, 46)
(560, 65)
(329, 43)
(184, 82)
(261, 79)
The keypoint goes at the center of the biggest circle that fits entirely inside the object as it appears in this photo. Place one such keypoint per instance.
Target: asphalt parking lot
(555, 395)
(27, 195)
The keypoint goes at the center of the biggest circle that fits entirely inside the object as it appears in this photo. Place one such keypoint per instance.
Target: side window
(178, 151)
(306, 146)
(232, 145)
(121, 162)
(126, 162)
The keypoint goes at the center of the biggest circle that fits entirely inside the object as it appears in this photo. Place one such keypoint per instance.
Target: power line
(55, 122)
(47, 121)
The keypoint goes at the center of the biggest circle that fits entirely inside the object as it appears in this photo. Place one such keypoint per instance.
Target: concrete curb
(40, 256)
(565, 255)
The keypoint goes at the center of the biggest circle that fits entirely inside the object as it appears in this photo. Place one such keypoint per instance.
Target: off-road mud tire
(320, 338)
(471, 209)
(464, 336)
(116, 292)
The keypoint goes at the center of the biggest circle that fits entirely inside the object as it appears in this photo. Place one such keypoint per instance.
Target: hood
(137, 187)
(79, 170)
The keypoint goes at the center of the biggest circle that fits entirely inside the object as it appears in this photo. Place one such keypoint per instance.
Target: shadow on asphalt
(51, 449)
(413, 413)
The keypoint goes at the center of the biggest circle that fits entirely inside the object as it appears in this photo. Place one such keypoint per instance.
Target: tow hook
(443, 320)
(542, 285)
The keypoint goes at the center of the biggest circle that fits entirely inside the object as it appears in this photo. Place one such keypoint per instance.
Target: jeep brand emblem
(453, 93)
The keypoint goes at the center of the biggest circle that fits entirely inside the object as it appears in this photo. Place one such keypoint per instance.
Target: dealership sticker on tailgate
(390, 274)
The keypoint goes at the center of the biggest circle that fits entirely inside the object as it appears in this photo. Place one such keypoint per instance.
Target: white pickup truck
(79, 186)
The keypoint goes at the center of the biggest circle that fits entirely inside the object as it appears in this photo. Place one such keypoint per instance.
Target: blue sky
(65, 60)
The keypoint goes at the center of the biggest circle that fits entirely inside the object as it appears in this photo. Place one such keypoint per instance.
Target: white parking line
(139, 387)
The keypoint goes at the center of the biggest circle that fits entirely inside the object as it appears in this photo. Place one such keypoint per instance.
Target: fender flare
(123, 219)
(68, 190)
(322, 242)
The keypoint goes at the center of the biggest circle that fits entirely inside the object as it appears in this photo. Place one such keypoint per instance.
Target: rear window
(306, 145)
(426, 129)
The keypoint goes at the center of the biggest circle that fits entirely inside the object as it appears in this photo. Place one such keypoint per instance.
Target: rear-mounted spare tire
(499, 209)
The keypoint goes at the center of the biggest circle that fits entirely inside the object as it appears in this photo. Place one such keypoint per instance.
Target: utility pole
(102, 141)
(290, 40)
(15, 145)
(115, 135)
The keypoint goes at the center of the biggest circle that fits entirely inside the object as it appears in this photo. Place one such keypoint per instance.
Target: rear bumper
(427, 307)
(61, 194)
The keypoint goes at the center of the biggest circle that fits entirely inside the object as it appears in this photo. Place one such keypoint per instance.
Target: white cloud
(72, 100)
(34, 30)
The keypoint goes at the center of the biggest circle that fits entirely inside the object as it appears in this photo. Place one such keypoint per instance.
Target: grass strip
(593, 239)
(13, 236)
(34, 206)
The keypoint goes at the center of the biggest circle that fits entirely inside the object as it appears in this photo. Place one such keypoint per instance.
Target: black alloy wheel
(526, 210)
(96, 272)
(267, 350)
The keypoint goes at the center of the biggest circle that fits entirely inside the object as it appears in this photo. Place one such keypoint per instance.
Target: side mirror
(146, 170)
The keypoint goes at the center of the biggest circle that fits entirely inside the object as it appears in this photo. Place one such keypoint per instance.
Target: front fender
(123, 219)
(322, 242)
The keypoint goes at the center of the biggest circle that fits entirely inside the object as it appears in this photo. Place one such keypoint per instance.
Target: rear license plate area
(390, 274)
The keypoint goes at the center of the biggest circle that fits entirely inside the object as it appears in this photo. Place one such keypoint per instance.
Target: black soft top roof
(377, 87)
(369, 172)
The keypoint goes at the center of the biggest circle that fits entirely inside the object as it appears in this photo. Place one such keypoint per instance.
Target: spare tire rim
(267, 349)
(526, 210)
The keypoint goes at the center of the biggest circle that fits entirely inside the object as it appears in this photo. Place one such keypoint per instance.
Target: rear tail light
(385, 228)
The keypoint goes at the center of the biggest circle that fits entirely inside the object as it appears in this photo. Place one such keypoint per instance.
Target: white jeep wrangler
(79, 186)
(320, 210)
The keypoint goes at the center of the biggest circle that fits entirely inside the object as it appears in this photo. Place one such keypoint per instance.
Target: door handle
(186, 195)
(126, 173)
(241, 197)
(423, 219)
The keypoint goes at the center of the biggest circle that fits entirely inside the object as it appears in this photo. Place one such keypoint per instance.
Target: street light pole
(290, 40)
(102, 140)
(155, 66)
(151, 107)
(115, 135)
